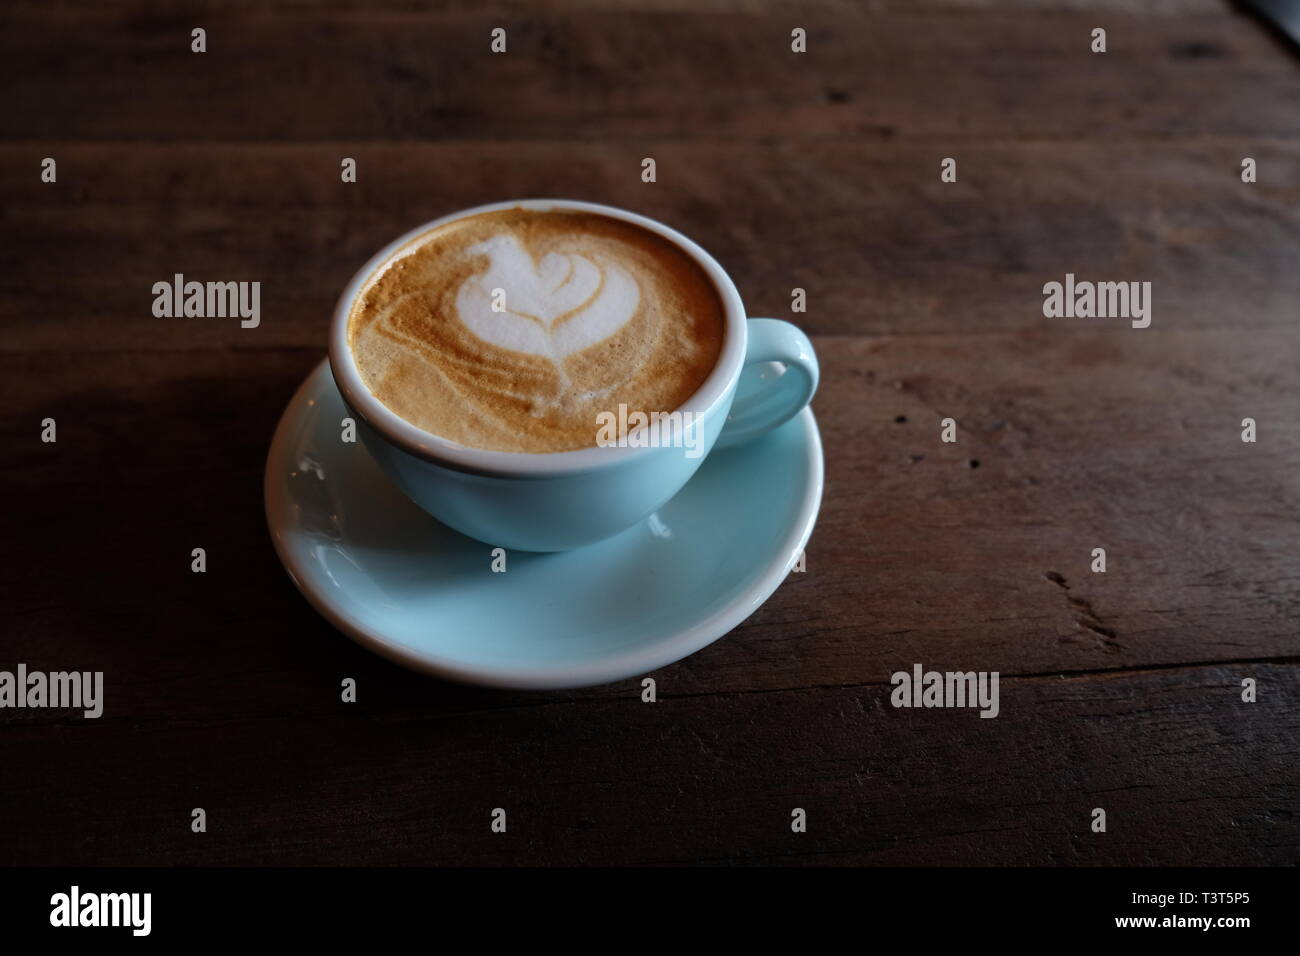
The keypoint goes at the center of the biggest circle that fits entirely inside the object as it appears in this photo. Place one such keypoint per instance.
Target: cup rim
(705, 401)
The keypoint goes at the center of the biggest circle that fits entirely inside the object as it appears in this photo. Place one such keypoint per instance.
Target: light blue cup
(765, 375)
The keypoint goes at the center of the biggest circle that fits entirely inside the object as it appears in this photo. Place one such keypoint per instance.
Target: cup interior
(707, 399)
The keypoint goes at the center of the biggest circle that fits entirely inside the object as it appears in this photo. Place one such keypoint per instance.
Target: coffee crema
(513, 330)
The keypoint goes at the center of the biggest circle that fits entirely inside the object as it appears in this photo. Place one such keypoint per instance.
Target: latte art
(513, 330)
(560, 305)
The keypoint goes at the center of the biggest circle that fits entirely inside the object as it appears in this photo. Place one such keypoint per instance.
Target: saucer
(407, 587)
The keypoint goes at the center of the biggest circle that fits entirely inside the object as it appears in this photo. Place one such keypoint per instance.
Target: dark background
(821, 171)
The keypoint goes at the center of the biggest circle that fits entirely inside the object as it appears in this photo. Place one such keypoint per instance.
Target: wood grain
(917, 556)
(1185, 771)
(603, 74)
(1119, 690)
(878, 243)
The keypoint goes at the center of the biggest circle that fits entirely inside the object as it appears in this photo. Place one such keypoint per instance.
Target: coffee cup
(764, 374)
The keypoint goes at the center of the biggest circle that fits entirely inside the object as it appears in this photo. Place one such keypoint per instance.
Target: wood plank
(1187, 774)
(609, 74)
(1123, 440)
(880, 245)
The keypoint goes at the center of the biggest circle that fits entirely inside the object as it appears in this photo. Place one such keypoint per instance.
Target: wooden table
(1119, 690)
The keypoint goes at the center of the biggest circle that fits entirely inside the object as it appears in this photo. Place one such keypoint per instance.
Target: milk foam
(513, 330)
(564, 303)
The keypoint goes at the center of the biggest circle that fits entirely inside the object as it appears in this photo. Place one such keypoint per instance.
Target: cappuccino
(515, 330)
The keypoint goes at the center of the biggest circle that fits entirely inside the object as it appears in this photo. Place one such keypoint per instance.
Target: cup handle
(768, 395)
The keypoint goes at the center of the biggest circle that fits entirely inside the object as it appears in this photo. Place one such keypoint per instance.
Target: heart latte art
(563, 304)
(513, 330)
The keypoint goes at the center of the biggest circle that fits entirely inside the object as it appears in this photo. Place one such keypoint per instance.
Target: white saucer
(404, 585)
